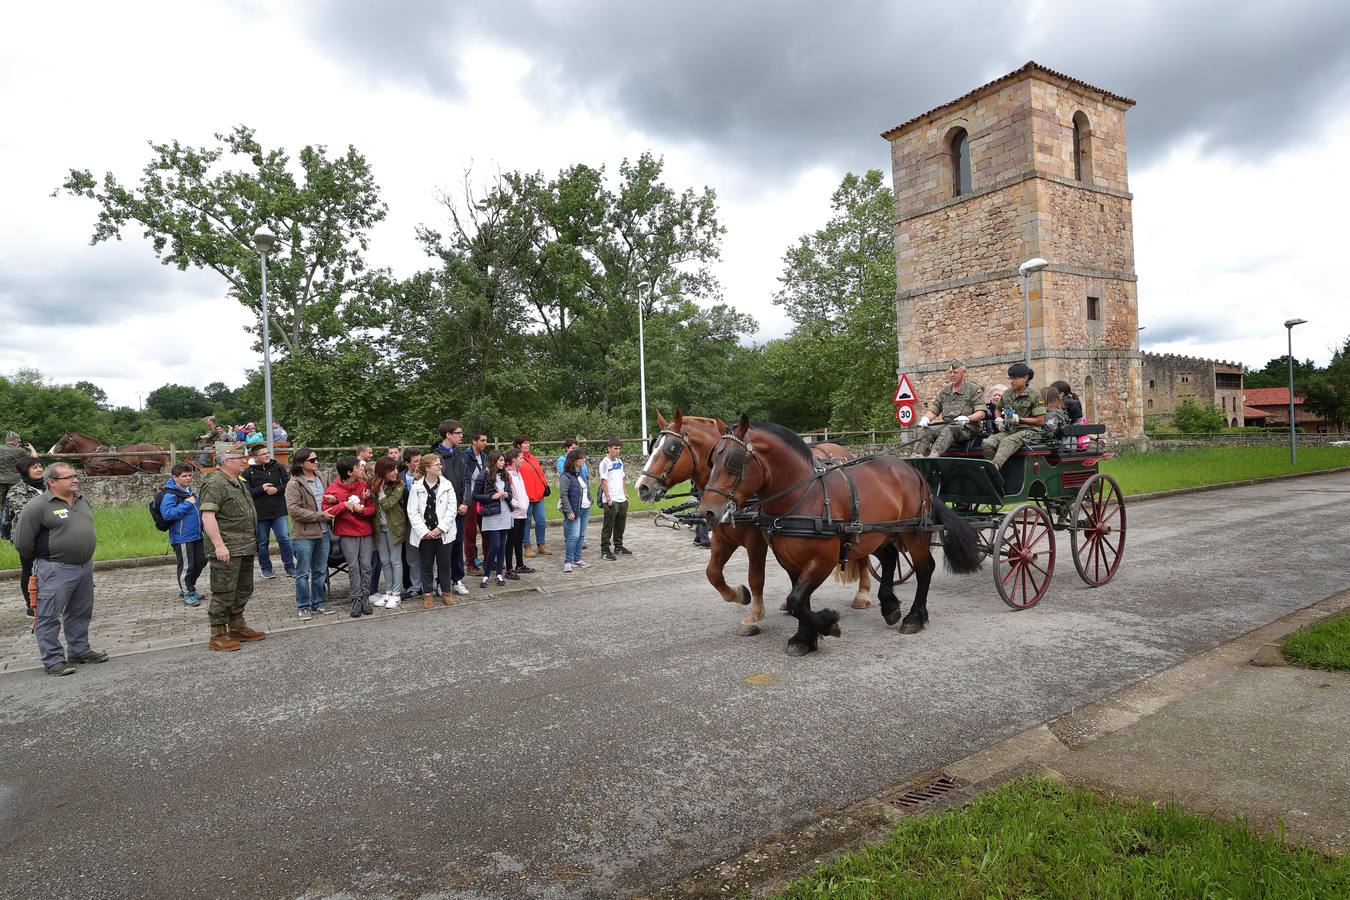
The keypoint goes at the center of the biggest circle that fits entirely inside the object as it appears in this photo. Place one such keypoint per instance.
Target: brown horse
(769, 462)
(679, 453)
(117, 461)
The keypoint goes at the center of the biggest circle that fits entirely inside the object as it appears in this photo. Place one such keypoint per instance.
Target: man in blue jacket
(179, 509)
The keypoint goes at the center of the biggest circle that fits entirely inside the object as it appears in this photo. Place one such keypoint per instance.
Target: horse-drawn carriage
(822, 515)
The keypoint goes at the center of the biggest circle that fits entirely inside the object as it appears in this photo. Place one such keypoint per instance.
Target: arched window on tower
(960, 163)
(1082, 151)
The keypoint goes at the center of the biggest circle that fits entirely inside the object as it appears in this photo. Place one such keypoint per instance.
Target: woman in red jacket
(350, 495)
(532, 473)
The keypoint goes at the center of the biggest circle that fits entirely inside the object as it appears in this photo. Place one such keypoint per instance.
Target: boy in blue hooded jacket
(179, 509)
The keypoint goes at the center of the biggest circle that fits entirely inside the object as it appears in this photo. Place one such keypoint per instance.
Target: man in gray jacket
(57, 531)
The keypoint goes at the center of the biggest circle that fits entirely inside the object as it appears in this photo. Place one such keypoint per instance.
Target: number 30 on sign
(904, 414)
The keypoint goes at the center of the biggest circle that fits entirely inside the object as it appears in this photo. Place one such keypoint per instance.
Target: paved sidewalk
(138, 610)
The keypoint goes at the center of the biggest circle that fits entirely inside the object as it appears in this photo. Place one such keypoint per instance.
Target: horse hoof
(747, 630)
(893, 616)
(784, 607)
(862, 603)
(911, 628)
(745, 596)
(796, 650)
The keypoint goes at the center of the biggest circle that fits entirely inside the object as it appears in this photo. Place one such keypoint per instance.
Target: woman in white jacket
(432, 505)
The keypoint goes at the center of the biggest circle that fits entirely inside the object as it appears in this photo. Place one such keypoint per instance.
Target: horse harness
(826, 525)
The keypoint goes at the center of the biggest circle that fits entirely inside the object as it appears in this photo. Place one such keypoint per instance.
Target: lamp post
(642, 362)
(1035, 264)
(1293, 442)
(262, 242)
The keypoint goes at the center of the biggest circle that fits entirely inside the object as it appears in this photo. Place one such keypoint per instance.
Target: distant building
(1270, 406)
(1169, 379)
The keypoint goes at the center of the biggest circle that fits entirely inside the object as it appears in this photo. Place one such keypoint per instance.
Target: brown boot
(529, 552)
(448, 598)
(240, 631)
(544, 551)
(474, 570)
(220, 640)
(427, 602)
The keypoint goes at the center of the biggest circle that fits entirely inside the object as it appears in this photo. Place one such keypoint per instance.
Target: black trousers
(436, 557)
(191, 559)
(515, 544)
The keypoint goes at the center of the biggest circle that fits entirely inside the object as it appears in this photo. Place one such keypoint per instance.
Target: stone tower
(1029, 165)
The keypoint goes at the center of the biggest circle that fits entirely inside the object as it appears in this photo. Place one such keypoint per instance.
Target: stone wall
(1170, 379)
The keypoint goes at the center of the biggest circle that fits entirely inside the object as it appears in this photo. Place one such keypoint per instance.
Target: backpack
(156, 504)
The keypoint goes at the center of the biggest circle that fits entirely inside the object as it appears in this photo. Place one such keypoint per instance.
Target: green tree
(40, 412)
(1327, 393)
(96, 393)
(177, 401)
(838, 287)
(1275, 373)
(198, 212)
(1193, 418)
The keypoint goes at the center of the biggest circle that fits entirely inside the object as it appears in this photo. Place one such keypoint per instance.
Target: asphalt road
(593, 744)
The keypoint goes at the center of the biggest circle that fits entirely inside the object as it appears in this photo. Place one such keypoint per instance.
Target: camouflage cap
(12, 436)
(956, 364)
(238, 451)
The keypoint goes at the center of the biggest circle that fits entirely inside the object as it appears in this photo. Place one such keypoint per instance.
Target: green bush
(1192, 418)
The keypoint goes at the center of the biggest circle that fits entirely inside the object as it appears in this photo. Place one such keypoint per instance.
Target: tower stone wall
(959, 293)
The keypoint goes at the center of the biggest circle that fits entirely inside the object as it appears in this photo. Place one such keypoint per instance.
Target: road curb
(1228, 485)
(766, 868)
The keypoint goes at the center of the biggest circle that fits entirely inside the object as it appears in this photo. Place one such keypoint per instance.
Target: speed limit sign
(904, 414)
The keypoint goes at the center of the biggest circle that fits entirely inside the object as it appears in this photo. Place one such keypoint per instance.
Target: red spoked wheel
(1098, 529)
(1025, 559)
(904, 566)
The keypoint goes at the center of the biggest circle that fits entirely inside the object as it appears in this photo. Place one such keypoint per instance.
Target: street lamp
(1032, 265)
(642, 361)
(262, 242)
(1293, 442)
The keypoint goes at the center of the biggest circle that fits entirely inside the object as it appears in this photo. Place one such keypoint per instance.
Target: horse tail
(849, 573)
(960, 542)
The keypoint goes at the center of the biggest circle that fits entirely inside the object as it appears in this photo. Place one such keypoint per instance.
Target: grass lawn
(1038, 838)
(1141, 473)
(128, 532)
(1325, 645)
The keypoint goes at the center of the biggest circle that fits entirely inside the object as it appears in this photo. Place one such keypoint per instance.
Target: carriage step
(925, 793)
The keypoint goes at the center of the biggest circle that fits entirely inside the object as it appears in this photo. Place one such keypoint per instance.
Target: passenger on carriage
(1022, 419)
(960, 402)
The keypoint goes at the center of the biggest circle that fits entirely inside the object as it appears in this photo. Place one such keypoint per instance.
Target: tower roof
(1016, 74)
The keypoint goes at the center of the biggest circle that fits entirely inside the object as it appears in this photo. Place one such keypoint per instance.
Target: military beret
(238, 451)
(1020, 370)
(956, 364)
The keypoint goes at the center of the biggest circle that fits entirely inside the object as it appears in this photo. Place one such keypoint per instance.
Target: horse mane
(786, 436)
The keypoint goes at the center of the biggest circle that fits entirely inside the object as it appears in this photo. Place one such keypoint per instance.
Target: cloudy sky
(1237, 145)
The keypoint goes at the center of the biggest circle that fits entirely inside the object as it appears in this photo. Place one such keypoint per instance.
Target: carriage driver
(1023, 415)
(961, 402)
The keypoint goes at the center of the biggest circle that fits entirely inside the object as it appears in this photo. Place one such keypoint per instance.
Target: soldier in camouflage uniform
(960, 403)
(1024, 414)
(230, 523)
(10, 454)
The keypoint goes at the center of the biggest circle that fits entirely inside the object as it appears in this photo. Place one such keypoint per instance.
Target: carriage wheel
(1025, 561)
(904, 566)
(1098, 529)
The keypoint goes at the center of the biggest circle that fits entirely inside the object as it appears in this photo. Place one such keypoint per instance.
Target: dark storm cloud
(774, 86)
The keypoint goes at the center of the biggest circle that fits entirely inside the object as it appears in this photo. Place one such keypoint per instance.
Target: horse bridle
(673, 451)
(738, 469)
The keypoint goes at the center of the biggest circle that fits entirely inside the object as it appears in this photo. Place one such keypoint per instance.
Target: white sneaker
(391, 601)
(459, 588)
(581, 564)
(567, 568)
(378, 600)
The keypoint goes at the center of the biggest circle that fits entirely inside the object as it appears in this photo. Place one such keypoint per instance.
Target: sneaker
(378, 600)
(304, 614)
(581, 564)
(623, 551)
(585, 546)
(61, 668)
(525, 570)
(267, 575)
(459, 588)
(323, 610)
(605, 554)
(484, 582)
(501, 581)
(290, 573)
(192, 599)
(567, 568)
(89, 656)
(391, 601)
(512, 576)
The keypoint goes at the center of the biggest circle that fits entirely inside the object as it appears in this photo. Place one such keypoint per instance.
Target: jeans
(496, 552)
(572, 539)
(311, 571)
(585, 519)
(391, 560)
(537, 513)
(278, 527)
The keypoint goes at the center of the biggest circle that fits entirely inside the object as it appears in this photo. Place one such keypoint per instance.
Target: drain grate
(926, 793)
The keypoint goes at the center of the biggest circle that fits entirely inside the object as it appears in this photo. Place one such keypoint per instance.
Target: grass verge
(1038, 838)
(1324, 645)
(1142, 473)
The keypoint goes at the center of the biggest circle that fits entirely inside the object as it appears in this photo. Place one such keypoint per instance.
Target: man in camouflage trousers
(1023, 415)
(231, 525)
(960, 403)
